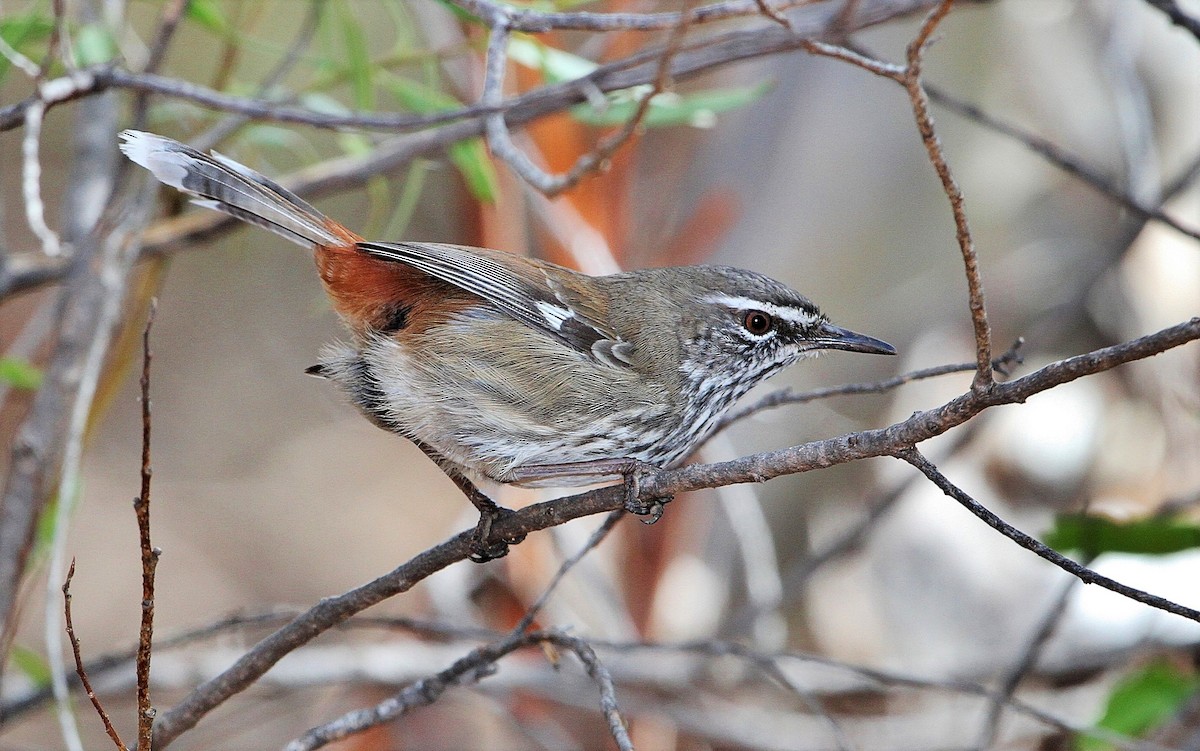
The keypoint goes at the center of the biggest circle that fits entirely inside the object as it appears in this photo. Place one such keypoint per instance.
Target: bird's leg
(483, 547)
(631, 472)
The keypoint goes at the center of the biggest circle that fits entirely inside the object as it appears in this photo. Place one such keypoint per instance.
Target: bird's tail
(224, 185)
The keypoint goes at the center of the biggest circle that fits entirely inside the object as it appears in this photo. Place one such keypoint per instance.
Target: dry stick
(167, 24)
(1083, 573)
(920, 104)
(710, 53)
(500, 139)
(888, 441)
(596, 538)
(1068, 163)
(1177, 15)
(473, 666)
(1033, 649)
(361, 720)
(768, 663)
(787, 396)
(536, 21)
(909, 77)
(149, 553)
(79, 670)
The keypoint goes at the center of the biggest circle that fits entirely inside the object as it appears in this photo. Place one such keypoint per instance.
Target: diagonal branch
(1078, 570)
(888, 441)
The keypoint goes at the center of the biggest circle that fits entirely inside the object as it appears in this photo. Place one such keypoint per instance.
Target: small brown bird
(518, 370)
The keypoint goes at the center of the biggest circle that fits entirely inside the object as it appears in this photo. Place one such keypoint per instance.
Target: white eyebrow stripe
(735, 302)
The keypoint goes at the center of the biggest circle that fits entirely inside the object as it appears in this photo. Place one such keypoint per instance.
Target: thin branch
(1001, 365)
(79, 669)
(920, 104)
(168, 22)
(1070, 164)
(500, 140)
(31, 181)
(889, 441)
(593, 541)
(1042, 632)
(536, 21)
(1083, 573)
(470, 668)
(149, 553)
(1177, 15)
(637, 69)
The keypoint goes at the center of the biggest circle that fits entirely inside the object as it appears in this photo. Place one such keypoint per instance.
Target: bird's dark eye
(757, 322)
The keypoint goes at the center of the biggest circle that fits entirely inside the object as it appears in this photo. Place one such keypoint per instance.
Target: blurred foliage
(26, 34)
(31, 664)
(1093, 535)
(19, 373)
(1142, 701)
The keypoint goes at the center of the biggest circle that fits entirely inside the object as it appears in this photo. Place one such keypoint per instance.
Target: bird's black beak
(829, 336)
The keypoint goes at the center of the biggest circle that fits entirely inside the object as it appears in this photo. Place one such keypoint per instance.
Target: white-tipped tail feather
(231, 188)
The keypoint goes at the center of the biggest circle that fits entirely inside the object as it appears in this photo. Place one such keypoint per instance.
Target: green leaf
(32, 664)
(698, 109)
(359, 69)
(20, 374)
(1093, 535)
(94, 45)
(470, 157)
(1141, 702)
(208, 14)
(556, 65)
(21, 33)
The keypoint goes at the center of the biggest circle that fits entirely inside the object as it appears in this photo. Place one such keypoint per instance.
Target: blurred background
(271, 492)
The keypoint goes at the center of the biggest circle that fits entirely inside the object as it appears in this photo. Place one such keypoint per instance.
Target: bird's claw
(650, 510)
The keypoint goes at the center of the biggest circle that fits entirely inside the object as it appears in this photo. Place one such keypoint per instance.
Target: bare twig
(594, 540)
(499, 138)
(920, 103)
(79, 669)
(1029, 655)
(149, 553)
(1177, 15)
(1083, 573)
(1001, 365)
(909, 76)
(31, 180)
(473, 666)
(168, 22)
(1070, 164)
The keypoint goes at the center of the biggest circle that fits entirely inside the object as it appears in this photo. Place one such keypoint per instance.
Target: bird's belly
(488, 425)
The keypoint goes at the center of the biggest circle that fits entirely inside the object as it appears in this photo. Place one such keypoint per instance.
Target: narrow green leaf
(20, 374)
(698, 109)
(1093, 535)
(94, 45)
(358, 68)
(410, 196)
(32, 664)
(555, 64)
(469, 157)
(207, 13)
(1141, 702)
(418, 97)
